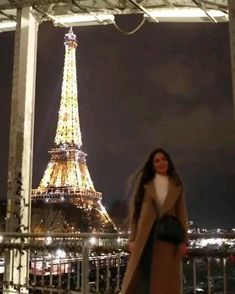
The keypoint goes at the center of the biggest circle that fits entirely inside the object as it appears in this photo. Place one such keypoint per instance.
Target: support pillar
(21, 147)
(231, 5)
(85, 267)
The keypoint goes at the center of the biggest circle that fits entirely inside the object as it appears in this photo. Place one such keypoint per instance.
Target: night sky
(168, 85)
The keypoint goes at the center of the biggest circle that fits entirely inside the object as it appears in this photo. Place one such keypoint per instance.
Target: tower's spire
(68, 128)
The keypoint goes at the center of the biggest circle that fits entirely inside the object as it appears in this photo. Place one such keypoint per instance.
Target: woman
(154, 265)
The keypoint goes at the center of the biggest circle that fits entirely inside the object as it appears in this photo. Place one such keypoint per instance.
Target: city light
(60, 253)
(92, 241)
(48, 240)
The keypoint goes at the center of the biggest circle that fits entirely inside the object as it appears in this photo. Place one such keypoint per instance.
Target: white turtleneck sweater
(161, 184)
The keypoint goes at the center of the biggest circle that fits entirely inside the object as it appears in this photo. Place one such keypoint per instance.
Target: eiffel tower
(66, 195)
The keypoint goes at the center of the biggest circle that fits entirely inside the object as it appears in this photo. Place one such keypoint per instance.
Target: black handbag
(169, 229)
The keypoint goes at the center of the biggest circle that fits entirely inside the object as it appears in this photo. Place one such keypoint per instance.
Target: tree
(118, 211)
(48, 220)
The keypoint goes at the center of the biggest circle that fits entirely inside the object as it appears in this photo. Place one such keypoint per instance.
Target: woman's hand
(182, 249)
(131, 246)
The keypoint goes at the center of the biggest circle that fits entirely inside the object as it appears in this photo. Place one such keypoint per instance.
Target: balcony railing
(96, 263)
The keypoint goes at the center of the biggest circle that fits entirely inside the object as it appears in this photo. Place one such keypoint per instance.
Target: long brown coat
(164, 263)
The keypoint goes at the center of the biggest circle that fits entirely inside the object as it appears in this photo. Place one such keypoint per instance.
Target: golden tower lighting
(66, 185)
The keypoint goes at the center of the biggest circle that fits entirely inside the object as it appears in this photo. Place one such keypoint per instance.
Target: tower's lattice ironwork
(66, 184)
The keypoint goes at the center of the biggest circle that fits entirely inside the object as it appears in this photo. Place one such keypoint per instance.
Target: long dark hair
(145, 175)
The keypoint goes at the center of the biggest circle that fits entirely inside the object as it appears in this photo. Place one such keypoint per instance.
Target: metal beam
(122, 5)
(202, 7)
(21, 142)
(27, 3)
(231, 4)
(144, 10)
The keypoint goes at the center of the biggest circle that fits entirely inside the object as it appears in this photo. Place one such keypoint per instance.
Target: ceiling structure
(95, 12)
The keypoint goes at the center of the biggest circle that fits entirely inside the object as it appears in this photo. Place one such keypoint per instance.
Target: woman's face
(160, 164)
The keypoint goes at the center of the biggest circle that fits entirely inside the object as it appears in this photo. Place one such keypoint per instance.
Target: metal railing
(84, 263)
(209, 272)
(96, 263)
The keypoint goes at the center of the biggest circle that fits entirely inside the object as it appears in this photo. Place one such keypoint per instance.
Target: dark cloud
(180, 76)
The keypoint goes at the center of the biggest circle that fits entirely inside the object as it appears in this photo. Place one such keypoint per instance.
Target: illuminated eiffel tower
(66, 191)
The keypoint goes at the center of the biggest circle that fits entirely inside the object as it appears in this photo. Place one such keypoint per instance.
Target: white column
(21, 144)
(231, 5)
